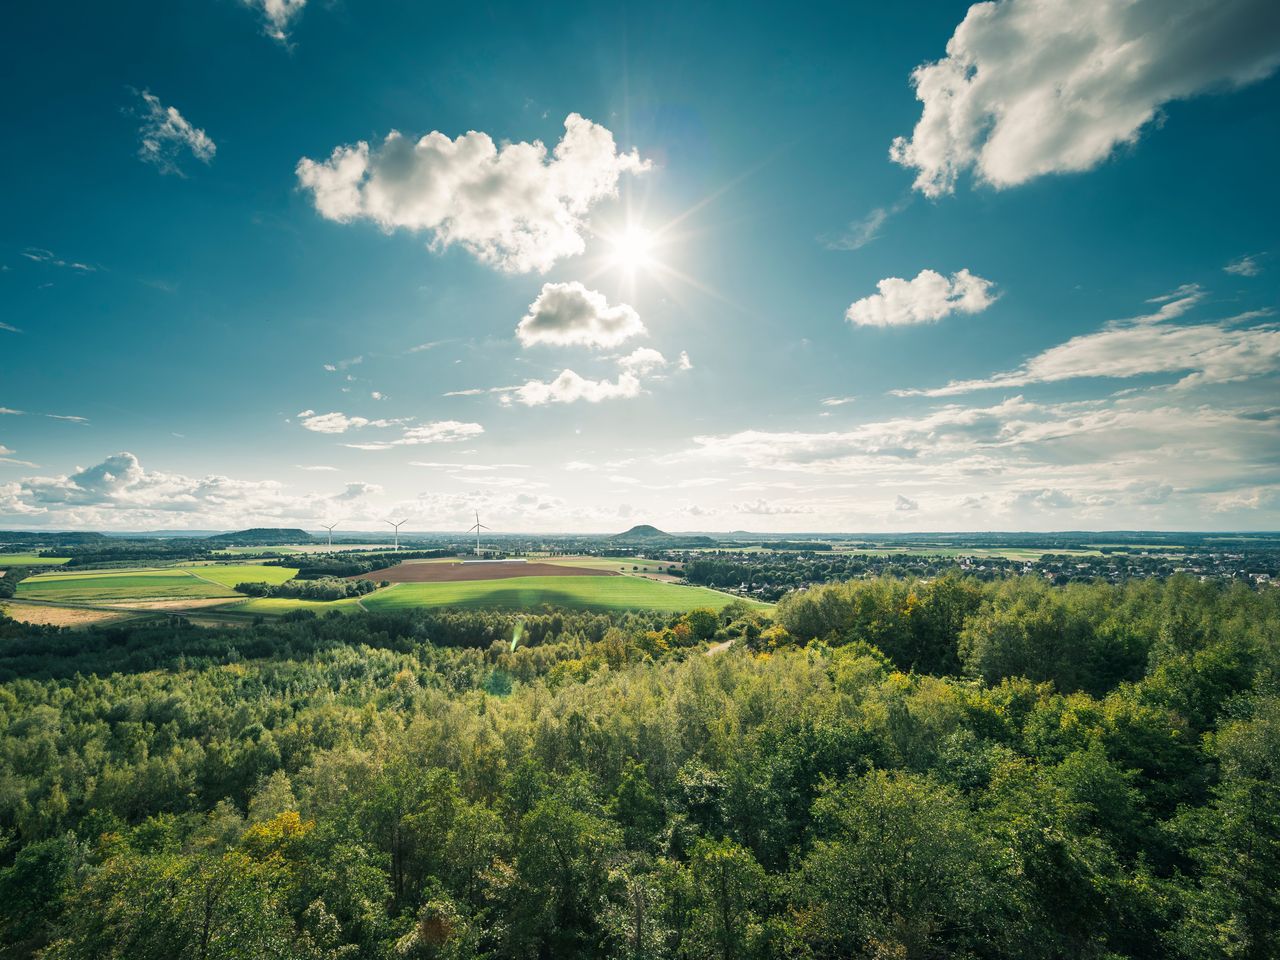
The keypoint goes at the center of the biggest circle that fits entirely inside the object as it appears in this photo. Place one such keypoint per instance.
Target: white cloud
(905, 504)
(9, 328)
(642, 360)
(1156, 458)
(338, 422)
(167, 136)
(1244, 266)
(926, 299)
(568, 314)
(439, 431)
(768, 508)
(358, 491)
(1219, 352)
(277, 15)
(319, 467)
(684, 363)
(1032, 87)
(40, 255)
(511, 207)
(9, 411)
(570, 388)
(837, 401)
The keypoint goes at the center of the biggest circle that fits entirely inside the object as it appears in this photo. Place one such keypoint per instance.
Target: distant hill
(264, 536)
(644, 534)
(644, 531)
(47, 538)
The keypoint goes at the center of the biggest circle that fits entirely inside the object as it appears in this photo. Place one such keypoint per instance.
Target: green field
(230, 575)
(152, 585)
(29, 560)
(523, 593)
(171, 583)
(614, 563)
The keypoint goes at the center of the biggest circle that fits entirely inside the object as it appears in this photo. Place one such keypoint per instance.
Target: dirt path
(720, 647)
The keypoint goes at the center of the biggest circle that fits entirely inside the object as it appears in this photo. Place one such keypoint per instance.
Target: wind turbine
(329, 527)
(397, 527)
(477, 528)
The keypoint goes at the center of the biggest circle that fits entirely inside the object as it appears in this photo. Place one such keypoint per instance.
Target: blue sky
(644, 263)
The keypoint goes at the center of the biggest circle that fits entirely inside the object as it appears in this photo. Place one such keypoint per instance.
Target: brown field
(175, 605)
(51, 616)
(453, 572)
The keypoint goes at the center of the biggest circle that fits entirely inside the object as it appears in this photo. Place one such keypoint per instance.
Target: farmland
(29, 560)
(523, 593)
(616, 564)
(150, 584)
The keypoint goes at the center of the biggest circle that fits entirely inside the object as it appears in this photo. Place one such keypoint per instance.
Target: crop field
(616, 564)
(230, 575)
(150, 584)
(451, 572)
(29, 560)
(305, 548)
(59, 616)
(524, 593)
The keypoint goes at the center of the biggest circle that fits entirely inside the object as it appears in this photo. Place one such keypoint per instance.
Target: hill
(645, 534)
(263, 536)
(644, 531)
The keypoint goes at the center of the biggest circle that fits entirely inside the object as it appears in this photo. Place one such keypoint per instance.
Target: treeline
(317, 566)
(838, 783)
(326, 588)
(116, 552)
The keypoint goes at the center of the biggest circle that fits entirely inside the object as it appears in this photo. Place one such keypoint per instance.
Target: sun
(632, 248)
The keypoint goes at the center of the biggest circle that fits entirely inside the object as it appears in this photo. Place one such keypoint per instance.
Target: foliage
(892, 769)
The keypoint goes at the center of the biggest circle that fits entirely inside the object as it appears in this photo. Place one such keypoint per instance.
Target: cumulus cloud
(642, 360)
(927, 299)
(168, 137)
(1032, 87)
(568, 314)
(358, 491)
(1244, 267)
(1159, 456)
(513, 207)
(570, 388)
(1218, 352)
(277, 15)
(905, 504)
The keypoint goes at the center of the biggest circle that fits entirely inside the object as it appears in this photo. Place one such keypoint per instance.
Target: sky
(827, 267)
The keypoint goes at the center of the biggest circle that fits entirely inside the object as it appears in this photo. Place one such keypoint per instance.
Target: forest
(883, 768)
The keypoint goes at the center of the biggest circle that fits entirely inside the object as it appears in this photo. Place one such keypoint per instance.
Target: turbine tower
(477, 528)
(396, 527)
(329, 527)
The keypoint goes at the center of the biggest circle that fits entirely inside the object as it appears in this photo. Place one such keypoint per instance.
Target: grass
(523, 593)
(152, 585)
(229, 575)
(29, 560)
(148, 584)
